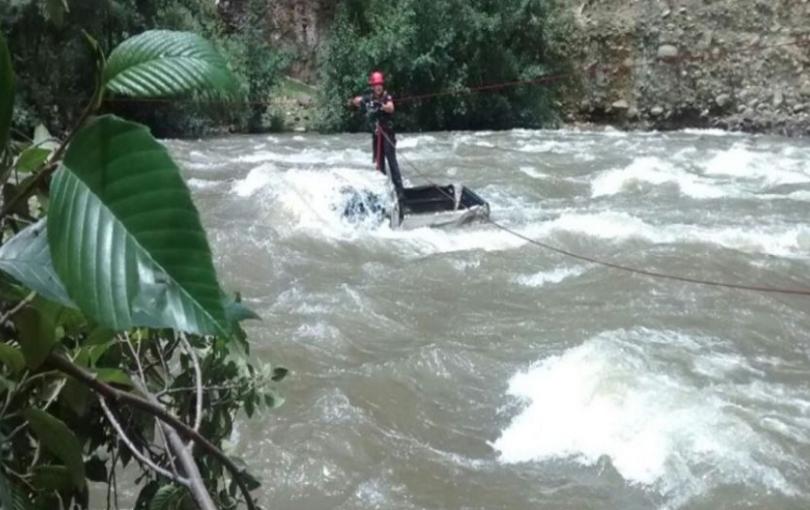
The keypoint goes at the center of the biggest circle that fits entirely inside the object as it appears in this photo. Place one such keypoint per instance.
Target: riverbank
(663, 65)
(725, 64)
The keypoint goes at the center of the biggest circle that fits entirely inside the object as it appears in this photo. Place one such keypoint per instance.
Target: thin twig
(198, 384)
(60, 386)
(115, 486)
(168, 450)
(143, 380)
(135, 356)
(111, 475)
(196, 485)
(19, 306)
(12, 393)
(22, 478)
(135, 451)
(205, 388)
(163, 364)
(106, 391)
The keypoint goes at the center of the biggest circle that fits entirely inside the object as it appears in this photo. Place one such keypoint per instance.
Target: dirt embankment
(708, 63)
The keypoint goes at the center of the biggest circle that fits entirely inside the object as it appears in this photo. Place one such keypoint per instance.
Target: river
(468, 369)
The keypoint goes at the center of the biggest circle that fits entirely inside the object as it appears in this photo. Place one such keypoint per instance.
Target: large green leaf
(27, 258)
(125, 236)
(56, 11)
(37, 333)
(6, 92)
(163, 63)
(11, 357)
(58, 439)
(55, 478)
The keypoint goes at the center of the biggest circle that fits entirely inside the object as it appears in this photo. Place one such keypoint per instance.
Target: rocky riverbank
(692, 63)
(640, 64)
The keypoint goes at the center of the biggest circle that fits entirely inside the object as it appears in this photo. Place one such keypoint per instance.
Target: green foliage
(12, 358)
(450, 46)
(56, 10)
(102, 289)
(57, 438)
(163, 63)
(120, 184)
(168, 497)
(52, 62)
(6, 93)
(27, 257)
(37, 335)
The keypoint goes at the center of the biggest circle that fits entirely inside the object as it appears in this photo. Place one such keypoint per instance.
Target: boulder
(667, 52)
(722, 100)
(620, 105)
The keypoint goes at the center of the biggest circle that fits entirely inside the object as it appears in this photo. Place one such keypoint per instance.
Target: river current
(467, 369)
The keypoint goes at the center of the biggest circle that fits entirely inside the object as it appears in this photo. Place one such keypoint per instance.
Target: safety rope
(798, 40)
(612, 265)
(379, 158)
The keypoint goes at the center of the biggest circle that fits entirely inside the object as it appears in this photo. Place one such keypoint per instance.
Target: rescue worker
(378, 105)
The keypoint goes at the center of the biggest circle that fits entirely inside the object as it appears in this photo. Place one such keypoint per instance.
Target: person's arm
(355, 101)
(388, 105)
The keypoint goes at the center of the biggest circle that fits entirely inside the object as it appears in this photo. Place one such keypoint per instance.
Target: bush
(151, 376)
(449, 45)
(51, 54)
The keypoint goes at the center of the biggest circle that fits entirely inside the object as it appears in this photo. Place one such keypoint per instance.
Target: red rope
(379, 148)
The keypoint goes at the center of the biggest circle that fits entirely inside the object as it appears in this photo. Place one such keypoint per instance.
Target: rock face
(719, 63)
(298, 27)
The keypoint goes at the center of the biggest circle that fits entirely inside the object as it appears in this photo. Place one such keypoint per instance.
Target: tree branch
(196, 485)
(143, 458)
(197, 381)
(105, 390)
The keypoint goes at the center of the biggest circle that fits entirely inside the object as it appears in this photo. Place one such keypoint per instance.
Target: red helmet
(376, 78)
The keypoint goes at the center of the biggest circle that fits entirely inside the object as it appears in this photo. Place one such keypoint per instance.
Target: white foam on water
(413, 141)
(257, 179)
(309, 157)
(801, 195)
(311, 202)
(656, 171)
(533, 173)
(194, 165)
(543, 278)
(200, 184)
(547, 146)
(784, 241)
(612, 132)
(765, 168)
(711, 132)
(620, 395)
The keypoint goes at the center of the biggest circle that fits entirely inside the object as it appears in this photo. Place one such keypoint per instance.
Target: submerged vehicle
(451, 205)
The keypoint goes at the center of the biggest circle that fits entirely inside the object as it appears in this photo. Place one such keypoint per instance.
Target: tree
(450, 47)
(119, 345)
